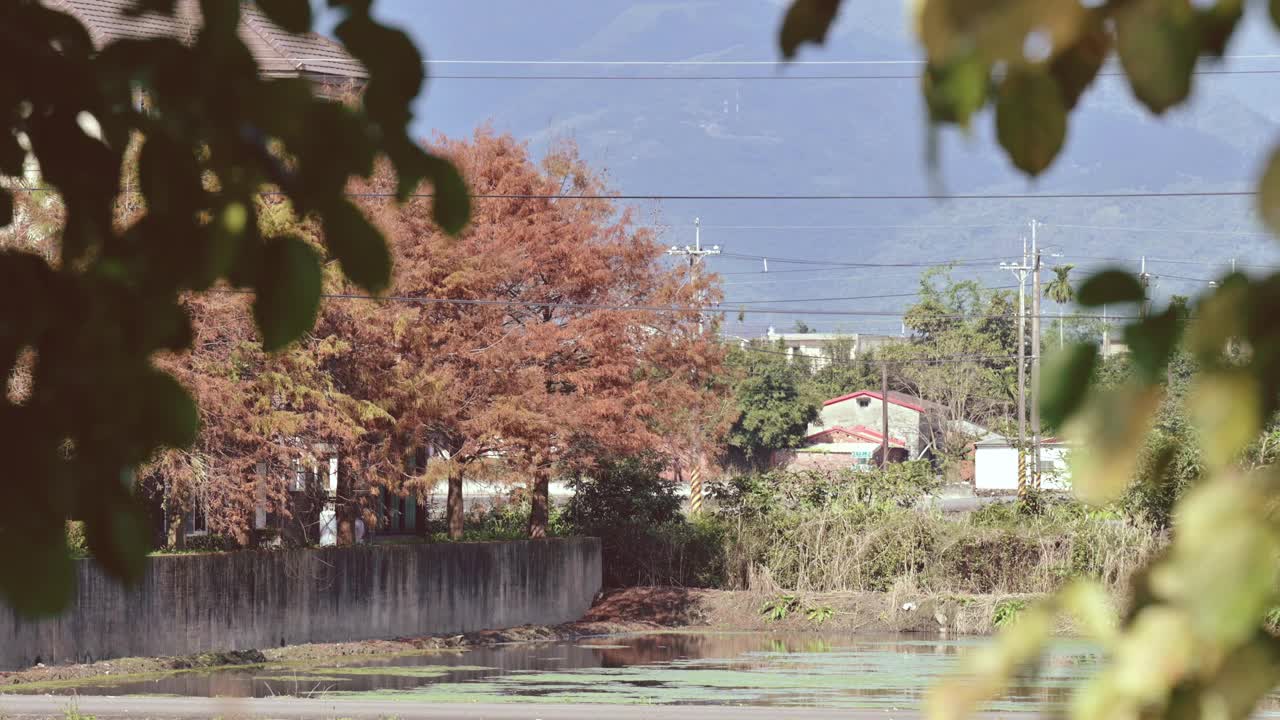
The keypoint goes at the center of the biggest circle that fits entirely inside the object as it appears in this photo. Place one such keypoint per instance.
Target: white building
(995, 464)
(820, 345)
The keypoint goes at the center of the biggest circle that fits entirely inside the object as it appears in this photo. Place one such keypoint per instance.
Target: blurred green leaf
(1152, 340)
(1225, 543)
(1076, 67)
(118, 533)
(1217, 23)
(1091, 606)
(1273, 7)
(956, 90)
(37, 576)
(1158, 43)
(288, 292)
(451, 201)
(1067, 372)
(292, 15)
(1269, 193)
(358, 246)
(170, 416)
(1031, 119)
(1112, 427)
(1227, 410)
(1110, 287)
(12, 156)
(806, 21)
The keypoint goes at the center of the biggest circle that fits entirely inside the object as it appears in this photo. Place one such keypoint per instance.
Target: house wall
(996, 468)
(904, 423)
(236, 601)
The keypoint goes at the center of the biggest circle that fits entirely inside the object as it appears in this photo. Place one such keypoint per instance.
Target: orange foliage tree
(540, 339)
(556, 348)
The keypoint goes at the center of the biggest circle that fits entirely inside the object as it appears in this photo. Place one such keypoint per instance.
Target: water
(679, 668)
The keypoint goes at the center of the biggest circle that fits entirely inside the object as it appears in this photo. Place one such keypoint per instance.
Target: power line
(940, 360)
(828, 197)
(851, 297)
(766, 78)
(904, 197)
(1173, 231)
(685, 62)
(666, 308)
(815, 261)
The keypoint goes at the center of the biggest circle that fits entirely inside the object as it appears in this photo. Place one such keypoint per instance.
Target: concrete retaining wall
(195, 603)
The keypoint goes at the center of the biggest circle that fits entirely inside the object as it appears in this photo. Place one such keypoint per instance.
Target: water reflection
(688, 668)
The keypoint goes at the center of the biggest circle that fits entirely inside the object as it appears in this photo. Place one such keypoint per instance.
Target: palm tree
(1060, 291)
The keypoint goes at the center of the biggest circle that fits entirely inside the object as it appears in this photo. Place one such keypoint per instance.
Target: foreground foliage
(1192, 642)
(91, 316)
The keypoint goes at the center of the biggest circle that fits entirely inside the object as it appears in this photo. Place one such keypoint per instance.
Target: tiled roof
(279, 53)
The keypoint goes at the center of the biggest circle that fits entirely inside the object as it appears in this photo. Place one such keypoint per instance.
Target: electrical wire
(669, 308)
(905, 197)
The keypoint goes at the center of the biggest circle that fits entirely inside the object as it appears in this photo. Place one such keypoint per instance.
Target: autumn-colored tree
(537, 336)
(263, 416)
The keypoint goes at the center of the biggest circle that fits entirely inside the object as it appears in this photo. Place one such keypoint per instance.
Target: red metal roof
(896, 398)
(859, 431)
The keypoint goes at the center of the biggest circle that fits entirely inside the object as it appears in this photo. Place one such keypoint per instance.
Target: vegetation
(1007, 611)
(774, 397)
(817, 532)
(646, 538)
(1176, 650)
(207, 143)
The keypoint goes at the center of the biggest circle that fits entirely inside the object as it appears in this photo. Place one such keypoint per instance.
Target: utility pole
(696, 253)
(884, 414)
(1020, 270)
(1145, 280)
(1035, 357)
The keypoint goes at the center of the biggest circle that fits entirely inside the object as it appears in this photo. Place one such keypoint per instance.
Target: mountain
(866, 136)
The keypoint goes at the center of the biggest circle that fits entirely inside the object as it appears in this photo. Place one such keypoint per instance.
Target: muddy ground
(629, 610)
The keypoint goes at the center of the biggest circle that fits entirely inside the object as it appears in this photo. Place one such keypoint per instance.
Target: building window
(864, 402)
(195, 521)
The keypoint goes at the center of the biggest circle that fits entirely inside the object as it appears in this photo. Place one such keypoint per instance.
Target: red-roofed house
(914, 424)
(840, 448)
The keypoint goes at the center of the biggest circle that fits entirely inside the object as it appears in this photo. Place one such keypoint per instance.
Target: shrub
(1007, 611)
(646, 541)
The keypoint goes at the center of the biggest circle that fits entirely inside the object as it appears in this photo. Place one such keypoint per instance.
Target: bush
(502, 522)
(646, 541)
(815, 532)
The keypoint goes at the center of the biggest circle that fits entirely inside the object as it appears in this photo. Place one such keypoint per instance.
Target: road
(13, 707)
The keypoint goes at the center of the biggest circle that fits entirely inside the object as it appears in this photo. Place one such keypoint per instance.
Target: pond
(856, 672)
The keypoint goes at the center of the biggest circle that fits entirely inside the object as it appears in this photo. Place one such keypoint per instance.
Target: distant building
(995, 459)
(916, 425)
(819, 346)
(840, 448)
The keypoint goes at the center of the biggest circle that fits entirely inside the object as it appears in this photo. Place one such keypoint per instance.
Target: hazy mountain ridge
(839, 137)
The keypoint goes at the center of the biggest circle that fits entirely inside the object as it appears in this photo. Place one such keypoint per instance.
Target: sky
(763, 136)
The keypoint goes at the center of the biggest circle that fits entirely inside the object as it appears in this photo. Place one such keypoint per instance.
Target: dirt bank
(630, 610)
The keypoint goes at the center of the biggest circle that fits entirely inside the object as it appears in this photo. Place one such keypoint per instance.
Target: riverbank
(625, 611)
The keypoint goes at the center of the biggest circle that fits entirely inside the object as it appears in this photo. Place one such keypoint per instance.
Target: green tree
(214, 134)
(775, 397)
(843, 373)
(1061, 292)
